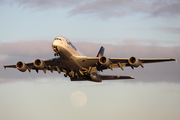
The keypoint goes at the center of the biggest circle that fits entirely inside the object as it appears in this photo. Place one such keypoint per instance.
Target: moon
(78, 99)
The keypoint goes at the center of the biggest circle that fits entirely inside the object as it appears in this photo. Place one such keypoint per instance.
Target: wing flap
(115, 65)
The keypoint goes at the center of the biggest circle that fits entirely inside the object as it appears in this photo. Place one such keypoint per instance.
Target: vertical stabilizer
(101, 52)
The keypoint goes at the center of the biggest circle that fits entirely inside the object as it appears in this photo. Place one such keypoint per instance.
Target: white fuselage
(67, 52)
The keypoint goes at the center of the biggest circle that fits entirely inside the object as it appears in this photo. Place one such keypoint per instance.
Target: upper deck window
(69, 43)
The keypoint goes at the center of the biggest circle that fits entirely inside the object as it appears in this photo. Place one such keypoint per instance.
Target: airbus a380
(80, 67)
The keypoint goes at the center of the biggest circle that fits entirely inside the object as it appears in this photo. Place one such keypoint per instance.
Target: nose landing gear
(56, 54)
(65, 75)
(56, 51)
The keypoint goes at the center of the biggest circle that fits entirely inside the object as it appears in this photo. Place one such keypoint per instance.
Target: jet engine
(39, 64)
(21, 66)
(133, 62)
(104, 61)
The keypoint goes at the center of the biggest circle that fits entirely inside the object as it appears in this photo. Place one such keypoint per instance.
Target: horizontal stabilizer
(104, 77)
(81, 79)
(108, 77)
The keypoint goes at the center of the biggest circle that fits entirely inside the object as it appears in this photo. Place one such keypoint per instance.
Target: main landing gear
(70, 75)
(65, 75)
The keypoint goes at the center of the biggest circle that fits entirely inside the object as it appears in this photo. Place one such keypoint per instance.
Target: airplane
(78, 67)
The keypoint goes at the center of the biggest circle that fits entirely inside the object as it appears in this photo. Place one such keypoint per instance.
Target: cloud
(45, 4)
(175, 30)
(118, 8)
(108, 8)
(28, 51)
(2, 2)
(25, 48)
(167, 9)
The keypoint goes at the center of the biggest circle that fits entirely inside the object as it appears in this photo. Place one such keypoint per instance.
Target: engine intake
(134, 62)
(21, 66)
(39, 64)
(104, 61)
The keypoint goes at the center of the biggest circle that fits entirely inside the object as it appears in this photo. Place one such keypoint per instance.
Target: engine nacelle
(104, 61)
(133, 62)
(39, 64)
(21, 66)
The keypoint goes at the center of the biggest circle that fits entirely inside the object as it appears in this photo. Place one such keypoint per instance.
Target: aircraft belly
(72, 65)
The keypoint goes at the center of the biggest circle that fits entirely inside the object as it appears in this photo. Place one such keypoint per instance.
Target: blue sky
(140, 28)
(31, 21)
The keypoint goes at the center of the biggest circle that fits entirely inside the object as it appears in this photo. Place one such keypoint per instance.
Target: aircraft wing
(142, 60)
(9, 66)
(51, 64)
(91, 61)
(146, 60)
(119, 62)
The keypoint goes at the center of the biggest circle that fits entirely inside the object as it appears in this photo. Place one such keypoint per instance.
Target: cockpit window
(57, 39)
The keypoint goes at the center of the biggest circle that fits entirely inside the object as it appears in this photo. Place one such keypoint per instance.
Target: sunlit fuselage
(67, 52)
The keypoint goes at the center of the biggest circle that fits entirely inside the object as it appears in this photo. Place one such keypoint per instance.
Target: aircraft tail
(101, 52)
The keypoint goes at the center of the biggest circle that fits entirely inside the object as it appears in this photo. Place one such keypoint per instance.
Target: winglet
(4, 66)
(101, 52)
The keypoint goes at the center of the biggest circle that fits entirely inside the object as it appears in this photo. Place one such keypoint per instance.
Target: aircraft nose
(55, 45)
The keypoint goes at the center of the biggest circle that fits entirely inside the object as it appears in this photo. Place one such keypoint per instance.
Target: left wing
(146, 60)
(133, 62)
(142, 60)
(101, 63)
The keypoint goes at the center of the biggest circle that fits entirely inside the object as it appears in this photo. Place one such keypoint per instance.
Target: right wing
(51, 64)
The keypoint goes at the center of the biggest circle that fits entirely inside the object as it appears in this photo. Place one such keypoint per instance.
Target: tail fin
(101, 52)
